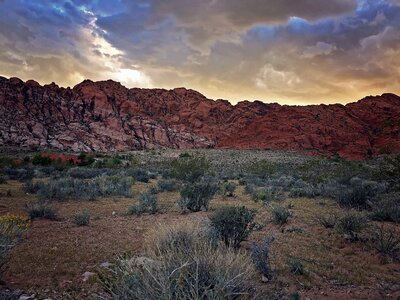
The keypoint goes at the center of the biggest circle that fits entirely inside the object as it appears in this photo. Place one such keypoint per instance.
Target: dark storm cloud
(300, 51)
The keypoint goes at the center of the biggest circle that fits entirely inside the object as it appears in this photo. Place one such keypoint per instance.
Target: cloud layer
(297, 52)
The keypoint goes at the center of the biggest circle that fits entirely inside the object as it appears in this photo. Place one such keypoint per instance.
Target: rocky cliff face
(105, 116)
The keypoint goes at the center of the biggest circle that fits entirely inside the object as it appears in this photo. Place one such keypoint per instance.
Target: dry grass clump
(183, 261)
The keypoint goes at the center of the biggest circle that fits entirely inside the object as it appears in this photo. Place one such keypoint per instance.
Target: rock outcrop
(105, 116)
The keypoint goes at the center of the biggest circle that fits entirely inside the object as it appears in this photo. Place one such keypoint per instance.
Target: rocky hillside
(106, 116)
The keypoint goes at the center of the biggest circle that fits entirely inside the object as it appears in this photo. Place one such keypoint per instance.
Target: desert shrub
(115, 186)
(386, 241)
(189, 168)
(85, 173)
(184, 155)
(82, 219)
(11, 230)
(67, 189)
(3, 179)
(139, 175)
(197, 196)
(85, 159)
(307, 191)
(233, 224)
(260, 256)
(148, 202)
(41, 210)
(263, 169)
(167, 185)
(389, 170)
(328, 221)
(351, 223)
(359, 193)
(387, 208)
(134, 210)
(39, 160)
(267, 194)
(31, 188)
(228, 189)
(75, 189)
(21, 174)
(296, 266)
(206, 271)
(6, 161)
(280, 215)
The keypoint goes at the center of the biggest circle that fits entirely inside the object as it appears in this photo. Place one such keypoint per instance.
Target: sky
(287, 51)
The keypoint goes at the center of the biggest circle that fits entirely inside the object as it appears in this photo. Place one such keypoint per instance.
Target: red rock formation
(105, 116)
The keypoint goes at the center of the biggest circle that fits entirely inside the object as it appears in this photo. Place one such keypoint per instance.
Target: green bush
(228, 189)
(280, 215)
(3, 179)
(148, 202)
(39, 160)
(386, 241)
(189, 169)
(328, 221)
(233, 224)
(188, 267)
(387, 208)
(41, 210)
(165, 185)
(82, 219)
(389, 170)
(139, 175)
(260, 256)
(296, 266)
(351, 223)
(134, 210)
(75, 189)
(31, 188)
(265, 194)
(262, 168)
(197, 196)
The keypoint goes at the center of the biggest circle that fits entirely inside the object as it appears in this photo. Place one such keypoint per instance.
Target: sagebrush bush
(267, 194)
(389, 170)
(296, 266)
(134, 210)
(115, 186)
(197, 196)
(82, 219)
(85, 173)
(328, 221)
(351, 223)
(21, 174)
(41, 210)
(359, 193)
(280, 215)
(228, 189)
(148, 202)
(3, 179)
(260, 256)
(387, 208)
(189, 169)
(139, 175)
(233, 224)
(262, 168)
(307, 191)
(205, 271)
(30, 187)
(75, 189)
(167, 185)
(386, 241)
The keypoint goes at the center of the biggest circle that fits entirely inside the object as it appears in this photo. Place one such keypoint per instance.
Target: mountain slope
(105, 116)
